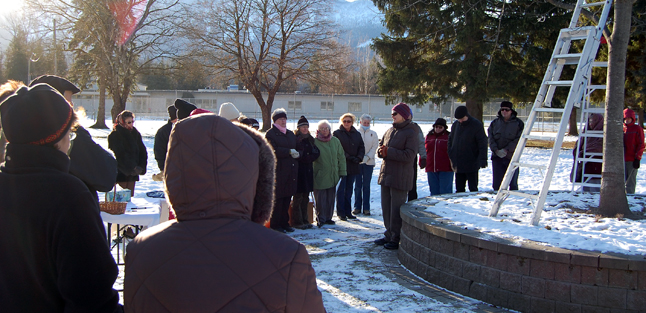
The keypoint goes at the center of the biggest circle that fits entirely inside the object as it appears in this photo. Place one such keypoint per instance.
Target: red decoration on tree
(128, 15)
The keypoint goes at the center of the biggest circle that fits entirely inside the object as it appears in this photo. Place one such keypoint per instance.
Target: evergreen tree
(472, 51)
(17, 57)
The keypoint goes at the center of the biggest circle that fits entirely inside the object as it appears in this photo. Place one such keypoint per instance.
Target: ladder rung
(591, 160)
(571, 58)
(559, 82)
(537, 166)
(595, 87)
(534, 137)
(555, 110)
(578, 33)
(599, 64)
(520, 194)
(591, 135)
(587, 184)
(593, 4)
(594, 110)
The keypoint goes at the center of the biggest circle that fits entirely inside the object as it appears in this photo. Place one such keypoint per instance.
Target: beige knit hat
(229, 111)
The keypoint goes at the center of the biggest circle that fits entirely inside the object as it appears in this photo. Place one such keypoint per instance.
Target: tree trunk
(573, 125)
(475, 109)
(612, 200)
(640, 116)
(119, 104)
(100, 115)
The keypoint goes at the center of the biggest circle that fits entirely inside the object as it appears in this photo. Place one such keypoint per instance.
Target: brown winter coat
(397, 168)
(217, 257)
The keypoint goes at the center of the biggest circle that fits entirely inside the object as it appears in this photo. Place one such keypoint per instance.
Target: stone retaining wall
(522, 276)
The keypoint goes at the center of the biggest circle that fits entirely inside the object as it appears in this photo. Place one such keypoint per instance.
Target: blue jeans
(362, 188)
(440, 182)
(344, 196)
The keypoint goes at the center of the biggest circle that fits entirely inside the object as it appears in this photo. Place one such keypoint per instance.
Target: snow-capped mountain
(359, 20)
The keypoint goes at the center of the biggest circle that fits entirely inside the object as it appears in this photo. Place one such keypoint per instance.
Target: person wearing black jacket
(467, 149)
(305, 183)
(55, 256)
(126, 143)
(162, 136)
(92, 164)
(354, 150)
(283, 141)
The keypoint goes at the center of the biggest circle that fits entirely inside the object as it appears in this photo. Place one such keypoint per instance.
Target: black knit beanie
(37, 115)
(184, 108)
(461, 112)
(172, 112)
(302, 122)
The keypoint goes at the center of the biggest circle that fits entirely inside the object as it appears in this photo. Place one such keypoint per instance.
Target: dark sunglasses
(394, 114)
(505, 109)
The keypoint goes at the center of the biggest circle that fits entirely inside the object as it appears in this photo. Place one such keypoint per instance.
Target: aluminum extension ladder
(590, 36)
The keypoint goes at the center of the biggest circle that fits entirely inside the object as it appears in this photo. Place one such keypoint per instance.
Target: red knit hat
(403, 110)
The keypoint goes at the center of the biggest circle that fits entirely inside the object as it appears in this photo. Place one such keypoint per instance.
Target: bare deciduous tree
(265, 42)
(94, 30)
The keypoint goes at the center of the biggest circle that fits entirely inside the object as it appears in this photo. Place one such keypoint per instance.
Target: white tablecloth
(138, 212)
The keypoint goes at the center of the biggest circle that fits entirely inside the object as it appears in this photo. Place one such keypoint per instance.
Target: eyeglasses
(438, 126)
(505, 109)
(347, 121)
(394, 114)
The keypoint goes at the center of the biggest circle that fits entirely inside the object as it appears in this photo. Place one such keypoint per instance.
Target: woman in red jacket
(633, 149)
(438, 164)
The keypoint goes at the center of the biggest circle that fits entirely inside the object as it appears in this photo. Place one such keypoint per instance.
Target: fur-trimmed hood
(215, 169)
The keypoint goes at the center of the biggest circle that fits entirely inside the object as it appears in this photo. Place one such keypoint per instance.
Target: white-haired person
(366, 167)
(328, 169)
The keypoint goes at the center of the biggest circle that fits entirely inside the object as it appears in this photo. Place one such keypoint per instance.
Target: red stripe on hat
(57, 134)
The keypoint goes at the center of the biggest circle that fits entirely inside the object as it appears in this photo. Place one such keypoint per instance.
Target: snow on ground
(346, 275)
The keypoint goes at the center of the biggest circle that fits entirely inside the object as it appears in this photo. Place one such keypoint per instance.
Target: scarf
(321, 138)
(282, 129)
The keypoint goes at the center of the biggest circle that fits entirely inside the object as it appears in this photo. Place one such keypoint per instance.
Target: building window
(205, 103)
(290, 105)
(327, 106)
(354, 106)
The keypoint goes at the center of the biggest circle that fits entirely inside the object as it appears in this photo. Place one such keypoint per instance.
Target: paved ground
(393, 269)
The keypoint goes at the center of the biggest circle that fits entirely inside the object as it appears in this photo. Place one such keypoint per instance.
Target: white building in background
(153, 103)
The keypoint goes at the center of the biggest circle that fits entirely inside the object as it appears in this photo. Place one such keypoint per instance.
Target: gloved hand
(356, 160)
(383, 152)
(422, 163)
(365, 159)
(501, 153)
(636, 163)
(139, 170)
(484, 163)
(294, 153)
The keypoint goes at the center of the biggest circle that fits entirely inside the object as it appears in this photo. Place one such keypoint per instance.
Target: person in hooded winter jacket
(354, 151)
(328, 169)
(504, 133)
(284, 143)
(217, 256)
(438, 164)
(398, 148)
(592, 148)
(467, 149)
(55, 256)
(126, 143)
(305, 184)
(366, 167)
(633, 149)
